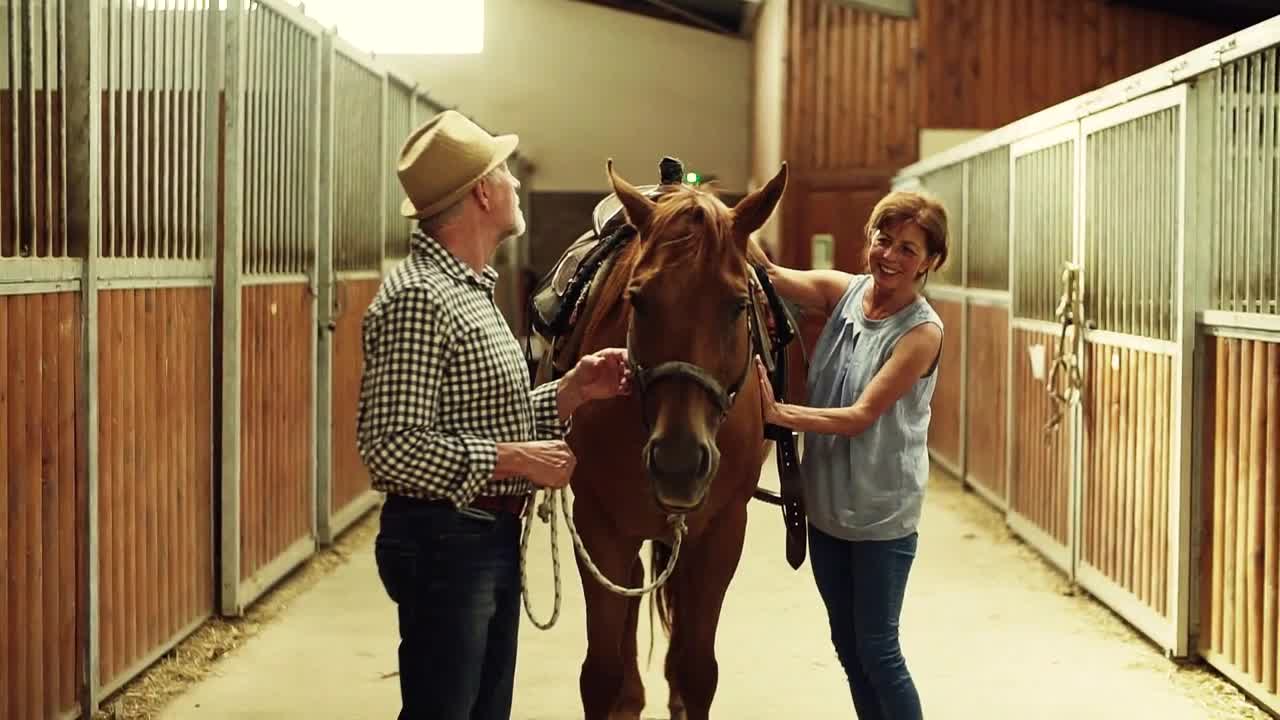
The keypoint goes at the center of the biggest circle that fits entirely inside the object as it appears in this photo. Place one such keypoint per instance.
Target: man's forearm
(512, 461)
(568, 397)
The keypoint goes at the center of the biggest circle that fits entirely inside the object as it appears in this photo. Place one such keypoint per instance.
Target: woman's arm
(819, 289)
(913, 356)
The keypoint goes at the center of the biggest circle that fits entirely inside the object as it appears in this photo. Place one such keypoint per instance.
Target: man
(451, 430)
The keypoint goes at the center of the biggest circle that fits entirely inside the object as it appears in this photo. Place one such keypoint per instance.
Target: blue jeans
(862, 585)
(455, 578)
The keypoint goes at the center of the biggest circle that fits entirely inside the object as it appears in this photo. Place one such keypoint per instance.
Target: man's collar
(430, 248)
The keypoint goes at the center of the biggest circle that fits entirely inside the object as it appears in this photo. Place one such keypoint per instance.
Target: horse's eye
(637, 302)
(741, 306)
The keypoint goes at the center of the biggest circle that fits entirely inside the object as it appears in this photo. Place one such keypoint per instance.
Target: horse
(687, 443)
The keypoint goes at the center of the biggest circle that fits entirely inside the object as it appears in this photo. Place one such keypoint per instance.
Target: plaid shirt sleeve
(546, 413)
(400, 401)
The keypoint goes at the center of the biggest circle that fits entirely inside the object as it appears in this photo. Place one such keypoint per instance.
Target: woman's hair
(920, 208)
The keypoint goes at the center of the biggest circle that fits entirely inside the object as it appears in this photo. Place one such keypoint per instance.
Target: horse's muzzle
(680, 471)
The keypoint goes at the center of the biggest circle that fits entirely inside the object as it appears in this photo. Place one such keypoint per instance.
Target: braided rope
(546, 512)
(1070, 312)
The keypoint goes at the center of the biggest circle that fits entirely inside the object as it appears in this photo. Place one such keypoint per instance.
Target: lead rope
(546, 512)
(1070, 312)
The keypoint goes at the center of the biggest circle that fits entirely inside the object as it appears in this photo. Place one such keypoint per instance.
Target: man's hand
(598, 376)
(546, 463)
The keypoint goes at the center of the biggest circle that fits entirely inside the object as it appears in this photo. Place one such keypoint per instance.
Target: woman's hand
(768, 403)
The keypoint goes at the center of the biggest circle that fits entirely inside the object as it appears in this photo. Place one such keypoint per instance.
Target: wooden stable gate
(1239, 542)
(356, 97)
(153, 465)
(1101, 486)
(971, 296)
(268, 323)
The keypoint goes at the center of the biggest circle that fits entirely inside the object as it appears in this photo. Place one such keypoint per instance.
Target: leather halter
(645, 377)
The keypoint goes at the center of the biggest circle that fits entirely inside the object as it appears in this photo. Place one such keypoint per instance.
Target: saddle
(564, 295)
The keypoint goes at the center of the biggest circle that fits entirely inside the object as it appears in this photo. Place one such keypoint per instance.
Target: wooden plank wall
(1020, 56)
(1041, 477)
(861, 85)
(276, 422)
(988, 353)
(155, 502)
(946, 425)
(41, 486)
(854, 84)
(350, 477)
(1125, 503)
(1240, 546)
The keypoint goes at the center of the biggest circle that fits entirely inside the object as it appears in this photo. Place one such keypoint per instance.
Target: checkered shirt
(444, 382)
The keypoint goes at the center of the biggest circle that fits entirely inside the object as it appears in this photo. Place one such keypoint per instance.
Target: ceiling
(1236, 13)
(727, 17)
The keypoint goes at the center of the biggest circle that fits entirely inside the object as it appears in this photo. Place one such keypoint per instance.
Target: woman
(866, 460)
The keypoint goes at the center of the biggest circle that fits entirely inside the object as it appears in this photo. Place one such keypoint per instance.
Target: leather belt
(512, 504)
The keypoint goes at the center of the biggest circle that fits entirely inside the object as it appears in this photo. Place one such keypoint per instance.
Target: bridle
(644, 378)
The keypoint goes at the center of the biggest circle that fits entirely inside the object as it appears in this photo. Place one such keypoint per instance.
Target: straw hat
(442, 160)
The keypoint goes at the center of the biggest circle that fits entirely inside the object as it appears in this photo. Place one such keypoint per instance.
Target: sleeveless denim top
(869, 487)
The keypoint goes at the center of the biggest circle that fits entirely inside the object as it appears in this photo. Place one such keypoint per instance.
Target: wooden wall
(860, 85)
(41, 487)
(155, 502)
(350, 477)
(989, 63)
(276, 422)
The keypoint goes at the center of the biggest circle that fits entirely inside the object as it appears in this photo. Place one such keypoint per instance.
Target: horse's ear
(754, 210)
(639, 208)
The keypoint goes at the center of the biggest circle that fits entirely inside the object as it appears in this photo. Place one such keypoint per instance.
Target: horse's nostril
(704, 466)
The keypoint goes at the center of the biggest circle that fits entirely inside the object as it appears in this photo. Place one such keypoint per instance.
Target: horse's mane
(678, 216)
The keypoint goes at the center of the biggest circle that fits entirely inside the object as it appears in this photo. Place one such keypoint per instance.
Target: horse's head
(689, 329)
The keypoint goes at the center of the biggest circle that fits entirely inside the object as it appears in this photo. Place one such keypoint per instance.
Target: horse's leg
(631, 698)
(601, 680)
(671, 667)
(705, 567)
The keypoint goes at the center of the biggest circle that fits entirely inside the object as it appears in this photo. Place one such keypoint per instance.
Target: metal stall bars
(356, 188)
(400, 120)
(269, 319)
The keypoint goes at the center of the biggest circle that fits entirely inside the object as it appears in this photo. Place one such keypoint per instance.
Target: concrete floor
(988, 632)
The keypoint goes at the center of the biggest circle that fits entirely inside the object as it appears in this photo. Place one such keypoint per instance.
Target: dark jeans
(455, 577)
(862, 585)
